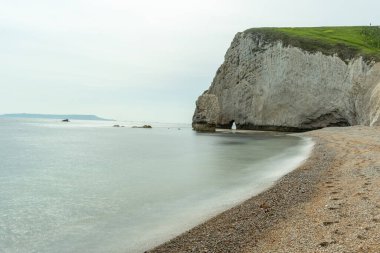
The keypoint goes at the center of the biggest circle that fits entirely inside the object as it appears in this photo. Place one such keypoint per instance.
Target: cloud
(156, 54)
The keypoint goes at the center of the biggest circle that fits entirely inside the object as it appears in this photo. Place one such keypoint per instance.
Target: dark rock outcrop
(144, 126)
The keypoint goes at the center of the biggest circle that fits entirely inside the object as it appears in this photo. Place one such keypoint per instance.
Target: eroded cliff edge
(269, 83)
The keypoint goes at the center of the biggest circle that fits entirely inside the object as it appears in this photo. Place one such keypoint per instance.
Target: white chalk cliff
(265, 84)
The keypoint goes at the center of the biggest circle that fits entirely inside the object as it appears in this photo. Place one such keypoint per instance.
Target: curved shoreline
(307, 210)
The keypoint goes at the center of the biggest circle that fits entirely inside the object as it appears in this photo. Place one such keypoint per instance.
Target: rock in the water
(266, 85)
(144, 126)
(65, 120)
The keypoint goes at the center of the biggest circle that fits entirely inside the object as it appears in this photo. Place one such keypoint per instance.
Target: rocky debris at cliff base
(204, 127)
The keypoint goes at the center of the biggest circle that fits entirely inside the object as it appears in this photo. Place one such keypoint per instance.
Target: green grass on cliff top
(347, 41)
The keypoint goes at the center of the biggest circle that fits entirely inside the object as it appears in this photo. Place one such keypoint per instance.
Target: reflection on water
(87, 187)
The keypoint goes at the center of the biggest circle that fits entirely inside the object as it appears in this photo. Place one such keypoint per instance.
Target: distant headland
(54, 116)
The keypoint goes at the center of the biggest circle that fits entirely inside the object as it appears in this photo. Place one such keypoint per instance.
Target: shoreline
(307, 210)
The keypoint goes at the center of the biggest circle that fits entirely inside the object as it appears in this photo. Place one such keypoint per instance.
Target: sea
(86, 186)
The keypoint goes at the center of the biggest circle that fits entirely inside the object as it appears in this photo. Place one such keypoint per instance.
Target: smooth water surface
(89, 187)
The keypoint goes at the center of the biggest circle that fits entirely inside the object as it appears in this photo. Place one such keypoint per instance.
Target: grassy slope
(348, 41)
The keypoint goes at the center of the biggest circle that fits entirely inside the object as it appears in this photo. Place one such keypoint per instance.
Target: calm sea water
(89, 187)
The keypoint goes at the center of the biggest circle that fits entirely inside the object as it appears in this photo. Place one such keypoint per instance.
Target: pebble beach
(331, 203)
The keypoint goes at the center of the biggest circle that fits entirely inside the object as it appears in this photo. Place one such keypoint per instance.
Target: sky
(143, 60)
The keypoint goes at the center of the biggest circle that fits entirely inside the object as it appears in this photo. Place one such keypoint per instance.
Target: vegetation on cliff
(347, 42)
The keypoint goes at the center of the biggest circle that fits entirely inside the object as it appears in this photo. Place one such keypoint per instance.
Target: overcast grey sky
(136, 60)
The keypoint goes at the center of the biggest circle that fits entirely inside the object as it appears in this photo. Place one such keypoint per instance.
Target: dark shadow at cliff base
(212, 128)
(276, 128)
(267, 128)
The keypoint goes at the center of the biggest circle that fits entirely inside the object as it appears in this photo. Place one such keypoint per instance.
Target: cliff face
(266, 85)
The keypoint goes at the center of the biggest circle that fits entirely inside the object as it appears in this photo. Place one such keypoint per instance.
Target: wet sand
(329, 204)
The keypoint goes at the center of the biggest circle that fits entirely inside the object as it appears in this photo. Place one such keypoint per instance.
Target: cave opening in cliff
(232, 125)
